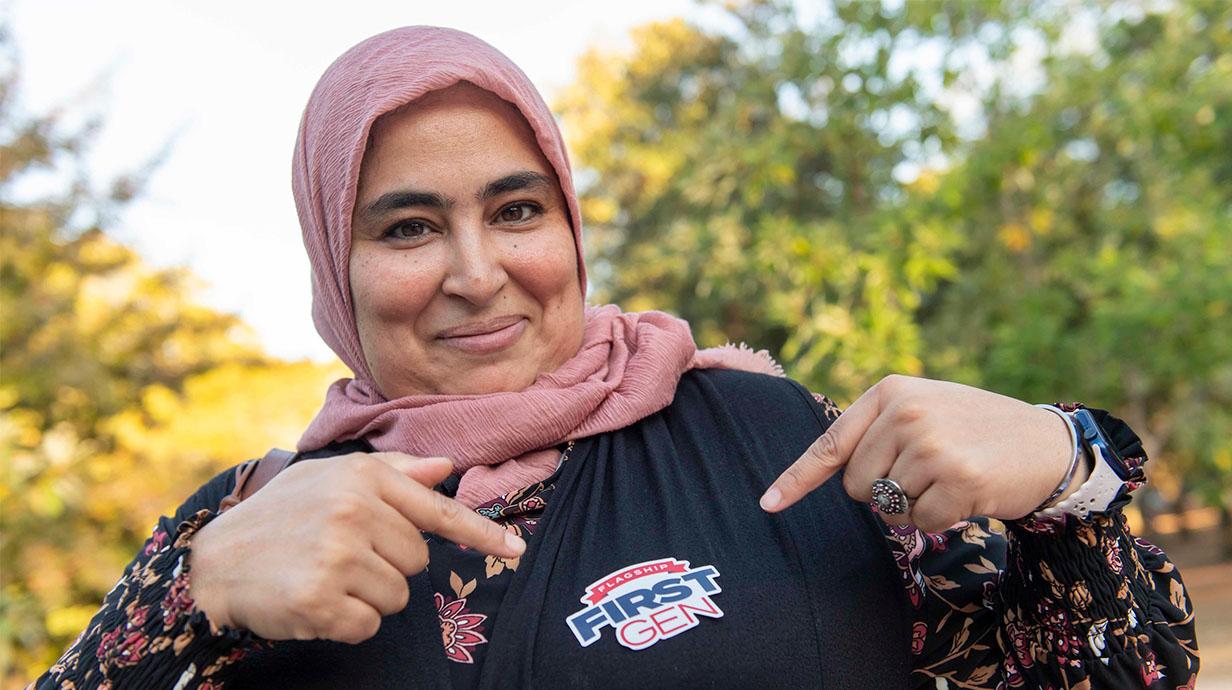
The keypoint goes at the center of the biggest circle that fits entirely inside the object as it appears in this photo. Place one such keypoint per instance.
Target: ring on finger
(889, 498)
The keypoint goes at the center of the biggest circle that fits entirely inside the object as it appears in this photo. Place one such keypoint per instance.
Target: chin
(497, 380)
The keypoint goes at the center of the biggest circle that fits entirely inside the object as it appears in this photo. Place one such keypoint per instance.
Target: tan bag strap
(254, 474)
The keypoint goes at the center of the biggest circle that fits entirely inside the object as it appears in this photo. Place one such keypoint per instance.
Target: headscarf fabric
(627, 367)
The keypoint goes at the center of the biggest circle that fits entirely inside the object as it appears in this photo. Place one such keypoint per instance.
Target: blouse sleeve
(1049, 604)
(148, 634)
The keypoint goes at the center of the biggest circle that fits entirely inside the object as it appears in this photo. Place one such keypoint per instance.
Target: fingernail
(515, 544)
(771, 499)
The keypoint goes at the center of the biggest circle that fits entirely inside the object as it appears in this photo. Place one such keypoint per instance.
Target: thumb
(426, 471)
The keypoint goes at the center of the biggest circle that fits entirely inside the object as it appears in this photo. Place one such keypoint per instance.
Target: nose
(476, 272)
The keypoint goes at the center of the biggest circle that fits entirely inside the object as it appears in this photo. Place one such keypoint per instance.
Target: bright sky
(225, 81)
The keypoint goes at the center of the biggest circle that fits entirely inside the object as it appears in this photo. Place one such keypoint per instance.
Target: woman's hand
(324, 550)
(957, 451)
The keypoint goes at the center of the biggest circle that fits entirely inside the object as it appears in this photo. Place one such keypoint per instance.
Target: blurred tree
(1096, 261)
(119, 394)
(745, 180)
(801, 179)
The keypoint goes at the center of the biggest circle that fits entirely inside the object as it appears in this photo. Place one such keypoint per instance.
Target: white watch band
(1073, 463)
(1094, 496)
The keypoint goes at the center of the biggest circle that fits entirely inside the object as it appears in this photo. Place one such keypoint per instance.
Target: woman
(595, 519)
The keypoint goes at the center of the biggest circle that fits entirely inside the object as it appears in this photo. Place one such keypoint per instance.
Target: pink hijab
(627, 367)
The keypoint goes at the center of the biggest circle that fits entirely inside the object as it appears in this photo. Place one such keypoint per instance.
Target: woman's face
(464, 274)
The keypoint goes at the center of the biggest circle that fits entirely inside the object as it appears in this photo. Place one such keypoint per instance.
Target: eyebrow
(407, 198)
(526, 179)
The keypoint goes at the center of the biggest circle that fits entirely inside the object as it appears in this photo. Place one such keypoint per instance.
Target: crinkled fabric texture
(375, 77)
(627, 367)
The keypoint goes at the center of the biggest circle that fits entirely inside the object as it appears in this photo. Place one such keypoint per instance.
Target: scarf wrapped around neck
(627, 367)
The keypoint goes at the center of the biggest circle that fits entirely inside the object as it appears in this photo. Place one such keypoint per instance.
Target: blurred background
(1030, 197)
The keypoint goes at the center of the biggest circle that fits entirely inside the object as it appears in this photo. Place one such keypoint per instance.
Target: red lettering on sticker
(663, 617)
(600, 589)
(711, 611)
(638, 633)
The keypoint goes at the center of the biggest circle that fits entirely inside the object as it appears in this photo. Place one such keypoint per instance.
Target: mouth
(485, 337)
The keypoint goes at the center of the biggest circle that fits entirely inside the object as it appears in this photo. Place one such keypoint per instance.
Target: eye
(516, 213)
(408, 230)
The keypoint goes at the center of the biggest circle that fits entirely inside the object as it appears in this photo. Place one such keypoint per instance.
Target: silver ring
(889, 498)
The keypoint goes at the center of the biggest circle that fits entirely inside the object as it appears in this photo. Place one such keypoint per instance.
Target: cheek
(546, 267)
(388, 289)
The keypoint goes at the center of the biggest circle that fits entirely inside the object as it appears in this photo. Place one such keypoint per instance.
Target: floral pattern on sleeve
(1039, 603)
(148, 634)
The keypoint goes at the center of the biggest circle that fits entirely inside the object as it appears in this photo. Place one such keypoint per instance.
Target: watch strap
(1095, 494)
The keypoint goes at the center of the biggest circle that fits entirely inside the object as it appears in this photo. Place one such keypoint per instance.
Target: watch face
(1093, 435)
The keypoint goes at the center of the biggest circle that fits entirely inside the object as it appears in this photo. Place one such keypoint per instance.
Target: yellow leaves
(44, 501)
(100, 296)
(1176, 222)
(228, 414)
(50, 573)
(783, 173)
(834, 320)
(640, 302)
(659, 45)
(69, 620)
(927, 182)
(603, 116)
(1205, 115)
(1041, 220)
(59, 278)
(596, 104)
(24, 426)
(693, 113)
(1223, 460)
(910, 365)
(1014, 236)
(99, 250)
(598, 210)
(657, 165)
(160, 403)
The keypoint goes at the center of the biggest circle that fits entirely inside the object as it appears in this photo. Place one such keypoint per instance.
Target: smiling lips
(485, 337)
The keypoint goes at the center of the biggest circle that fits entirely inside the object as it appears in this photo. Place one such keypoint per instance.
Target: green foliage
(803, 182)
(119, 395)
(799, 181)
(1097, 224)
(746, 182)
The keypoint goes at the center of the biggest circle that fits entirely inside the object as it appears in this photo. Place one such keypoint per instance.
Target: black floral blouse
(1073, 604)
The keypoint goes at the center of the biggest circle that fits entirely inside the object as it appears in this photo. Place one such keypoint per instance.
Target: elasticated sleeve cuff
(148, 634)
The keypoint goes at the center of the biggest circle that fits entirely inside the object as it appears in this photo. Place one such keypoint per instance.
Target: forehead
(457, 120)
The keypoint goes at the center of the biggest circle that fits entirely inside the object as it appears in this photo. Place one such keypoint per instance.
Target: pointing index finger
(432, 512)
(827, 455)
